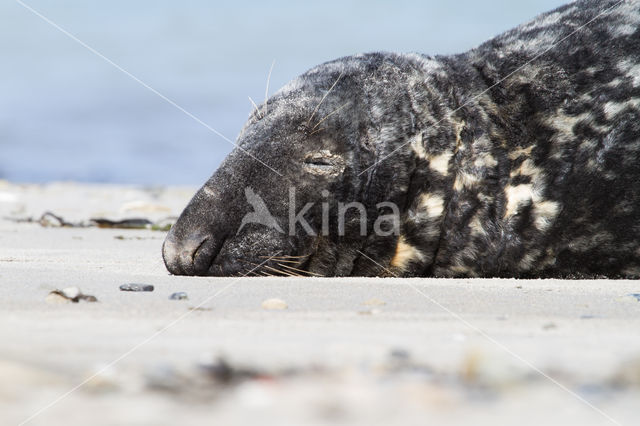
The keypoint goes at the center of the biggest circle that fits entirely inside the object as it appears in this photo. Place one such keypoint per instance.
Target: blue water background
(67, 114)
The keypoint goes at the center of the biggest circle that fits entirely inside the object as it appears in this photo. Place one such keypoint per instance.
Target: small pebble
(200, 309)
(55, 298)
(219, 370)
(369, 312)
(491, 371)
(49, 219)
(69, 294)
(549, 326)
(103, 380)
(222, 372)
(164, 377)
(374, 302)
(629, 298)
(181, 295)
(628, 373)
(400, 354)
(136, 287)
(274, 304)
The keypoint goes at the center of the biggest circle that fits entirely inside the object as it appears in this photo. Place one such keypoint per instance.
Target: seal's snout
(192, 255)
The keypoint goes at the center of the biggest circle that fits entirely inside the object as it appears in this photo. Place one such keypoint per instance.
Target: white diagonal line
(134, 348)
(473, 98)
(496, 342)
(142, 83)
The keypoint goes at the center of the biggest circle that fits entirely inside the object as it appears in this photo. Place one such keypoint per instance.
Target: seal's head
(279, 200)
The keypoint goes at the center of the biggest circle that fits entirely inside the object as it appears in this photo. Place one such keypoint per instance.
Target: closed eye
(318, 162)
(323, 163)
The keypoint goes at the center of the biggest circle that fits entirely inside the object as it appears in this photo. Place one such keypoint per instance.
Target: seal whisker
(247, 272)
(284, 257)
(257, 267)
(291, 270)
(289, 274)
(261, 266)
(266, 91)
(330, 114)
(324, 97)
(255, 107)
(302, 270)
(292, 261)
(295, 262)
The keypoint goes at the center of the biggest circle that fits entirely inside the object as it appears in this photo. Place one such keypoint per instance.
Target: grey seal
(518, 158)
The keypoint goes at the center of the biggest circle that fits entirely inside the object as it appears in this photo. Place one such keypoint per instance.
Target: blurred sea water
(67, 114)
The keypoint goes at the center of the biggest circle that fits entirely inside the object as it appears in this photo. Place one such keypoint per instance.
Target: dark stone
(136, 287)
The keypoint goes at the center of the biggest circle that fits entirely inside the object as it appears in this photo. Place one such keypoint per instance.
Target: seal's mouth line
(217, 255)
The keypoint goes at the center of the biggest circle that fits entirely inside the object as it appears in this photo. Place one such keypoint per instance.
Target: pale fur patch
(632, 70)
(463, 270)
(476, 226)
(486, 160)
(564, 124)
(464, 180)
(405, 253)
(418, 147)
(432, 205)
(209, 192)
(611, 109)
(544, 211)
(517, 195)
(527, 260)
(440, 163)
(527, 168)
(521, 151)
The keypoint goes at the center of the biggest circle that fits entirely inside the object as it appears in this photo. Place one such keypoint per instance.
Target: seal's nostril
(202, 254)
(195, 252)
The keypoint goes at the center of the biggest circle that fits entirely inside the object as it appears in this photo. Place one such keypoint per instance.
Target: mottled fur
(518, 158)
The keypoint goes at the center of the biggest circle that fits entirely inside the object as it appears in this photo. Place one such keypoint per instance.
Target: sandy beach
(338, 351)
